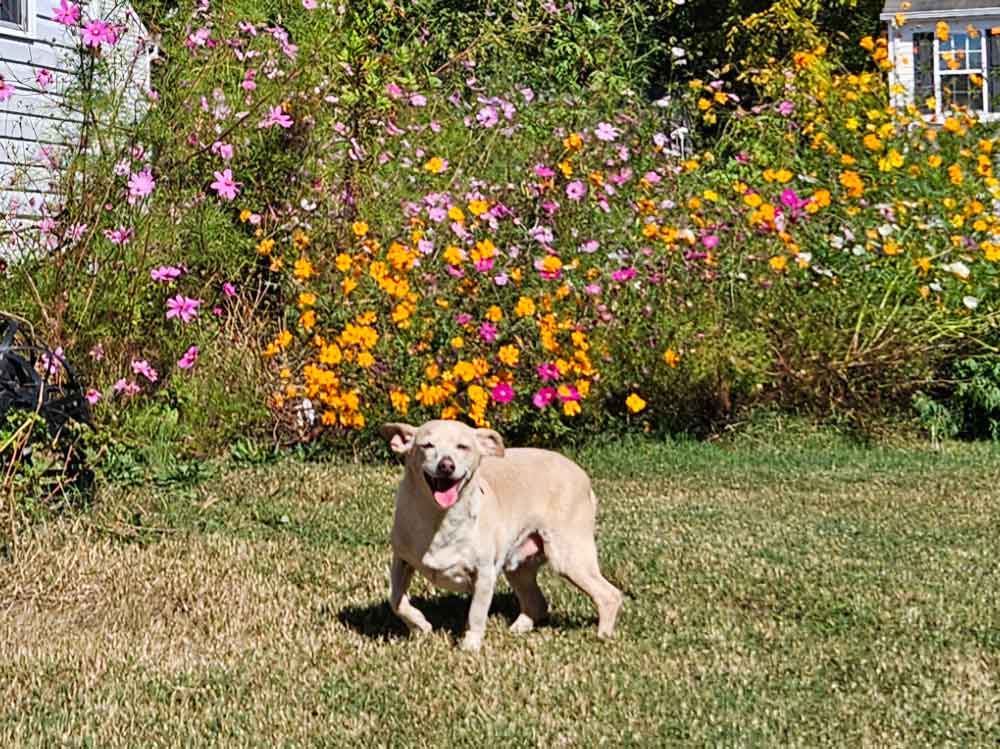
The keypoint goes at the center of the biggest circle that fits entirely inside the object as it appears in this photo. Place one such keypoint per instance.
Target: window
(16, 16)
(12, 12)
(960, 68)
(923, 71)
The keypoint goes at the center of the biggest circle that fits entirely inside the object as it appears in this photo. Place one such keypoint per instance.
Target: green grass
(816, 594)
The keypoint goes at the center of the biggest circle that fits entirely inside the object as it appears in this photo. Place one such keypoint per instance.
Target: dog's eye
(427, 446)
(463, 447)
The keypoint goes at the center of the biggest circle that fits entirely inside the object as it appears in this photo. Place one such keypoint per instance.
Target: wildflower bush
(328, 215)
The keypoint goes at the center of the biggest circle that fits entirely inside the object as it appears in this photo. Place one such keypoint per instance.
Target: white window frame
(25, 30)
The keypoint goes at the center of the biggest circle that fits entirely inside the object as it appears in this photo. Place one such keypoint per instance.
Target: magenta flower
(502, 393)
(6, 90)
(309, 4)
(166, 273)
(66, 13)
(543, 397)
(623, 274)
(183, 307)
(277, 116)
(487, 117)
(127, 388)
(543, 171)
(93, 396)
(568, 393)
(225, 186)
(418, 100)
(606, 132)
(463, 318)
(52, 363)
(548, 371)
(710, 241)
(190, 357)
(140, 185)
(121, 235)
(228, 289)
(43, 77)
(785, 108)
(143, 368)
(575, 190)
(96, 32)
(488, 332)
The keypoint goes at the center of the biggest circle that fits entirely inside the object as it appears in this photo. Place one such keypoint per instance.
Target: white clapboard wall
(37, 123)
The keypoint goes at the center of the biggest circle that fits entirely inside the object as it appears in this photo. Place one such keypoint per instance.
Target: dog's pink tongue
(447, 498)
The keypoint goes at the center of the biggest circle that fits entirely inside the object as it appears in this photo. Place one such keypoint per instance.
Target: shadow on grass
(448, 612)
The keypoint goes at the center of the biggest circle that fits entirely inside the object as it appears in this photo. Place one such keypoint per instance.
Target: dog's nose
(446, 467)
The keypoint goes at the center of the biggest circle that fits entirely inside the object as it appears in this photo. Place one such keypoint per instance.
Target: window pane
(923, 70)
(959, 91)
(993, 71)
(10, 11)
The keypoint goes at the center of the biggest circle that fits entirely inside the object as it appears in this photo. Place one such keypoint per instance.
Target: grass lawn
(813, 595)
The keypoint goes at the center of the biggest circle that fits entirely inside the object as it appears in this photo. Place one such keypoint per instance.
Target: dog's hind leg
(534, 607)
(579, 565)
(400, 575)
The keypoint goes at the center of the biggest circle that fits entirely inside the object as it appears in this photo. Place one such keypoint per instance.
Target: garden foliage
(335, 214)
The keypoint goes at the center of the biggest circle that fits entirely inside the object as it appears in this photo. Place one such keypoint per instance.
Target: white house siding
(35, 123)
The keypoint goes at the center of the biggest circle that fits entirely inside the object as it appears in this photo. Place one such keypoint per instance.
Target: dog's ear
(490, 443)
(399, 436)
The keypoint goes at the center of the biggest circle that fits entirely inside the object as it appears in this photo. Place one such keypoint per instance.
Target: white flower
(958, 268)
(970, 301)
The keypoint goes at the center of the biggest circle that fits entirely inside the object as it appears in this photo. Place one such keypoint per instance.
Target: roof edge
(924, 15)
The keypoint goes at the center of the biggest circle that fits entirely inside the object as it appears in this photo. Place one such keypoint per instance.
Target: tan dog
(467, 510)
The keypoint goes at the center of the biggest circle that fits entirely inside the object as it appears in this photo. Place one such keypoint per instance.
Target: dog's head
(443, 454)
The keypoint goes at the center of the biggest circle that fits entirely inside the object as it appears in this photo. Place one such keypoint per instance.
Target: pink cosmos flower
(548, 371)
(97, 352)
(223, 150)
(309, 4)
(590, 246)
(487, 117)
(228, 289)
(225, 186)
(66, 13)
(126, 388)
(418, 100)
(166, 273)
(51, 364)
(710, 241)
(96, 32)
(93, 396)
(623, 274)
(575, 190)
(190, 357)
(785, 108)
(6, 90)
(488, 332)
(502, 393)
(606, 132)
(121, 235)
(543, 397)
(277, 116)
(43, 77)
(140, 185)
(543, 171)
(142, 367)
(183, 307)
(248, 83)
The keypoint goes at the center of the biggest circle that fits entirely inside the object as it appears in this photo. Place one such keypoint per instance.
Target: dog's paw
(420, 628)
(522, 625)
(472, 642)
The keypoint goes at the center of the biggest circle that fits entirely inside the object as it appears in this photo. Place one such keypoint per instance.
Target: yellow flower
(778, 263)
(455, 214)
(941, 30)
(284, 339)
(509, 355)
(551, 264)
(573, 142)
(307, 299)
(478, 207)
(634, 403)
(852, 181)
(525, 307)
(494, 314)
(671, 357)
(245, 215)
(934, 160)
(360, 228)
(265, 246)
(400, 401)
(452, 255)
(365, 359)
(303, 269)
(566, 168)
(457, 342)
(300, 239)
(571, 408)
(435, 165)
(464, 370)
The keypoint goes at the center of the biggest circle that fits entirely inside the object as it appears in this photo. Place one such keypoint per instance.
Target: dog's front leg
(400, 575)
(482, 596)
